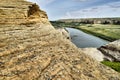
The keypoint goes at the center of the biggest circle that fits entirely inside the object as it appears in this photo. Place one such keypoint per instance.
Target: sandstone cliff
(20, 12)
(31, 49)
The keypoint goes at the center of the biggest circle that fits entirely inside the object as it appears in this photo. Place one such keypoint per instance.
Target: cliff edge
(31, 49)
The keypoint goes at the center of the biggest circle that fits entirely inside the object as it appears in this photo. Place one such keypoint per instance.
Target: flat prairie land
(109, 32)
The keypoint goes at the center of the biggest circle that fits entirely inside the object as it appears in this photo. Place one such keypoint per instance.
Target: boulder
(94, 53)
(111, 51)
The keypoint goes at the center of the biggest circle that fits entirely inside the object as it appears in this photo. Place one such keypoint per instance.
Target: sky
(67, 9)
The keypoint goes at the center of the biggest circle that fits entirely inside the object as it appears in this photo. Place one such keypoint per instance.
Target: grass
(108, 32)
(113, 65)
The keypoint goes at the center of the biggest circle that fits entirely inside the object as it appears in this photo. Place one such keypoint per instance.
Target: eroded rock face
(20, 12)
(111, 51)
(31, 49)
(64, 32)
(94, 53)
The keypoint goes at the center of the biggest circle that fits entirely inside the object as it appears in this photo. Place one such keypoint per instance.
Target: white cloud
(109, 10)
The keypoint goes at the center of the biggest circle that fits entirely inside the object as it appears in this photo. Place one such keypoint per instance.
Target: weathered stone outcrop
(111, 51)
(20, 12)
(31, 49)
(94, 53)
(64, 32)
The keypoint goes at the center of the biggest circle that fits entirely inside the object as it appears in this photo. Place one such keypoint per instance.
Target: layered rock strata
(20, 12)
(111, 51)
(31, 49)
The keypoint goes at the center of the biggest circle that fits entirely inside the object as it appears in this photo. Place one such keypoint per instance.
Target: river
(83, 40)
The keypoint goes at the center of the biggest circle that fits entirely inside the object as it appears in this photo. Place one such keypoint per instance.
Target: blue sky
(65, 9)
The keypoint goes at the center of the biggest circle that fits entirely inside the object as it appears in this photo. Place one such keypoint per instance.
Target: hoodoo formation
(31, 49)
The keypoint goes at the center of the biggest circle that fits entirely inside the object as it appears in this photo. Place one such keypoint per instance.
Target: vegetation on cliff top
(94, 20)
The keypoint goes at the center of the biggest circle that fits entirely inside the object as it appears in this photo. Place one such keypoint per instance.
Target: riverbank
(108, 32)
(108, 54)
(83, 40)
(95, 53)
